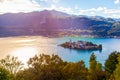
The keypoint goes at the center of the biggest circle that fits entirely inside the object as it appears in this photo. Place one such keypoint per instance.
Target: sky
(105, 8)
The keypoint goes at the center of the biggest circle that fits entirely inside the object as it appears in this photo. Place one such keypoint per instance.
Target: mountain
(55, 23)
(115, 30)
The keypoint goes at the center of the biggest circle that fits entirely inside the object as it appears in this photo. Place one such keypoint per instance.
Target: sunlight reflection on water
(24, 53)
(26, 47)
(25, 41)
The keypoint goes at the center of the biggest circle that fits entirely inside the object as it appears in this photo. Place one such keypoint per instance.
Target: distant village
(81, 45)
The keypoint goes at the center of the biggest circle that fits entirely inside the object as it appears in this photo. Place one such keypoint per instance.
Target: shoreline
(84, 36)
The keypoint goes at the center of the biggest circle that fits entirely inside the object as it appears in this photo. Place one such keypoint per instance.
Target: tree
(12, 64)
(20, 75)
(92, 62)
(92, 67)
(95, 69)
(100, 73)
(110, 63)
(4, 74)
(117, 70)
(75, 71)
(44, 67)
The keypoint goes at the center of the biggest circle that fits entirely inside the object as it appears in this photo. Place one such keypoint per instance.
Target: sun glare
(14, 6)
(25, 53)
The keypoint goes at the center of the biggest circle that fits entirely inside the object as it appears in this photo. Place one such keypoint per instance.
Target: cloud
(106, 12)
(15, 6)
(51, 1)
(56, 1)
(59, 8)
(90, 12)
(116, 1)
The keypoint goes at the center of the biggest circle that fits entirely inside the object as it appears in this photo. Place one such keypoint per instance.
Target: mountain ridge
(55, 23)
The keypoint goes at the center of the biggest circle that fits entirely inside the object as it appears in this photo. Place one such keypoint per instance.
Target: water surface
(26, 47)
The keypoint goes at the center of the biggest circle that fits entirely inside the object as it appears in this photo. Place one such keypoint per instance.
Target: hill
(55, 23)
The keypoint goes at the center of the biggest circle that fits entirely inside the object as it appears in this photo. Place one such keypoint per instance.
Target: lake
(25, 47)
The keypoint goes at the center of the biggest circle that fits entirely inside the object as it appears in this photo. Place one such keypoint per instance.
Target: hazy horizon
(78, 7)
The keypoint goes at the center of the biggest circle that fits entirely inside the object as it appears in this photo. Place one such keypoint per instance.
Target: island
(81, 45)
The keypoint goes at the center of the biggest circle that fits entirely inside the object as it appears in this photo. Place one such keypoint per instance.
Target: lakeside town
(81, 45)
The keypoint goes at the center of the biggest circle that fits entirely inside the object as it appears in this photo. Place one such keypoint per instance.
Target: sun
(25, 53)
(15, 6)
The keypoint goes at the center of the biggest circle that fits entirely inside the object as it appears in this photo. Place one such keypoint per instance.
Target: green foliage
(110, 64)
(117, 70)
(76, 71)
(92, 58)
(20, 75)
(52, 67)
(45, 67)
(4, 74)
(92, 66)
(100, 46)
(95, 69)
(12, 64)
